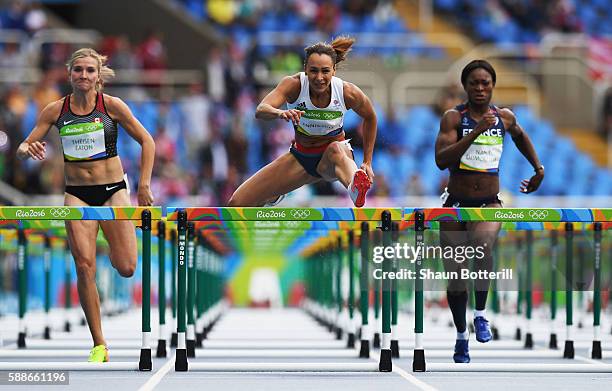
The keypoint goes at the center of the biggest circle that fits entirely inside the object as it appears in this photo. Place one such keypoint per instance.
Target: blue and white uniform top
(328, 121)
(484, 154)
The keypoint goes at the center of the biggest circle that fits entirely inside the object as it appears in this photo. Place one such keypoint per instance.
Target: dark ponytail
(337, 50)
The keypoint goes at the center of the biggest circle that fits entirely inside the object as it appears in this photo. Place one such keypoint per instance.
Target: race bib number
(483, 155)
(83, 141)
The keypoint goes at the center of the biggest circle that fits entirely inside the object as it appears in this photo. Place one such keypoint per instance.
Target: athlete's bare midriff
(473, 185)
(316, 141)
(98, 172)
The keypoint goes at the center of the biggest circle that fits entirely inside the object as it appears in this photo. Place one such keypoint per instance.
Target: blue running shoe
(462, 351)
(482, 329)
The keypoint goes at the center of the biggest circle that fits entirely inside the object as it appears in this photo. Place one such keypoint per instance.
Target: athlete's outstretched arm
(525, 146)
(287, 90)
(356, 100)
(121, 113)
(32, 146)
(449, 148)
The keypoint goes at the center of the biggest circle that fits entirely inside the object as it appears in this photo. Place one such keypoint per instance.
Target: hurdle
(142, 214)
(247, 215)
(567, 216)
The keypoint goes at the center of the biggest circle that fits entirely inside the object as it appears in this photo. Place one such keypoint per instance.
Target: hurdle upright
(519, 219)
(43, 216)
(316, 215)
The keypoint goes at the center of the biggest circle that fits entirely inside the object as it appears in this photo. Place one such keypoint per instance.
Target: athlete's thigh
(484, 233)
(326, 167)
(281, 176)
(81, 235)
(120, 234)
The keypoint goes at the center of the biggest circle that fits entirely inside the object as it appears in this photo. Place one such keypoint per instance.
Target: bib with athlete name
(484, 154)
(316, 121)
(87, 137)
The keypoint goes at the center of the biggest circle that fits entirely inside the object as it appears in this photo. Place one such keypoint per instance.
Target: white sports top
(316, 121)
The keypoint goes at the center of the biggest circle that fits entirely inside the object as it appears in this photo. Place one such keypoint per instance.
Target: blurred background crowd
(202, 114)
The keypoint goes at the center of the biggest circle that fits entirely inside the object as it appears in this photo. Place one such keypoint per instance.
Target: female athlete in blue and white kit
(470, 144)
(87, 123)
(316, 103)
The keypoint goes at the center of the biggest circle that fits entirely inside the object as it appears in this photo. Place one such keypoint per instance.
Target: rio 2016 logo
(271, 214)
(21, 213)
(509, 215)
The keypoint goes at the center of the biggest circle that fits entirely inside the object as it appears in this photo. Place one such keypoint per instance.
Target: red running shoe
(358, 187)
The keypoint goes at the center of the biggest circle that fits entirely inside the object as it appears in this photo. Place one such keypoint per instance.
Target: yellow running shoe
(99, 353)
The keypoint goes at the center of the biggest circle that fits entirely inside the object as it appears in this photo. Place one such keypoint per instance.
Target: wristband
(540, 167)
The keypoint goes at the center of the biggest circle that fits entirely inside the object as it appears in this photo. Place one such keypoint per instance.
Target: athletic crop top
(87, 137)
(484, 153)
(316, 121)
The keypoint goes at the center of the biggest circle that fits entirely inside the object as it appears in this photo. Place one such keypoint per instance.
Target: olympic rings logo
(60, 213)
(300, 213)
(538, 214)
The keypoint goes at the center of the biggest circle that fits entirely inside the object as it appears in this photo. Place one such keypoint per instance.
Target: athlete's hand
(36, 150)
(292, 115)
(531, 185)
(488, 120)
(367, 167)
(145, 197)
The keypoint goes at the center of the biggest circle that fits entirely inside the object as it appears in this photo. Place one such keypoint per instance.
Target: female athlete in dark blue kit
(470, 144)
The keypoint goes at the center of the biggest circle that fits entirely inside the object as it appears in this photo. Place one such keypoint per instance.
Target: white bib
(83, 141)
(483, 154)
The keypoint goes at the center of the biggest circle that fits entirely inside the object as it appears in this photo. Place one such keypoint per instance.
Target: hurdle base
(338, 333)
(395, 348)
(21, 343)
(191, 348)
(517, 334)
(385, 364)
(418, 360)
(350, 343)
(83, 322)
(145, 364)
(174, 340)
(67, 327)
(161, 349)
(180, 364)
(552, 344)
(199, 340)
(568, 352)
(376, 341)
(495, 333)
(364, 351)
(596, 350)
(528, 341)
(47, 333)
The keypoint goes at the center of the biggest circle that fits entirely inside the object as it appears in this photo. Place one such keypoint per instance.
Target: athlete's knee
(456, 287)
(126, 269)
(335, 151)
(85, 268)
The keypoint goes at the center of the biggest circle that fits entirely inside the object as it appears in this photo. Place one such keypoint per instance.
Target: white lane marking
(416, 382)
(156, 378)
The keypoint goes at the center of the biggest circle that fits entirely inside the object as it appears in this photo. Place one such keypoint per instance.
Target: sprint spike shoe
(482, 329)
(277, 201)
(359, 186)
(462, 351)
(99, 353)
